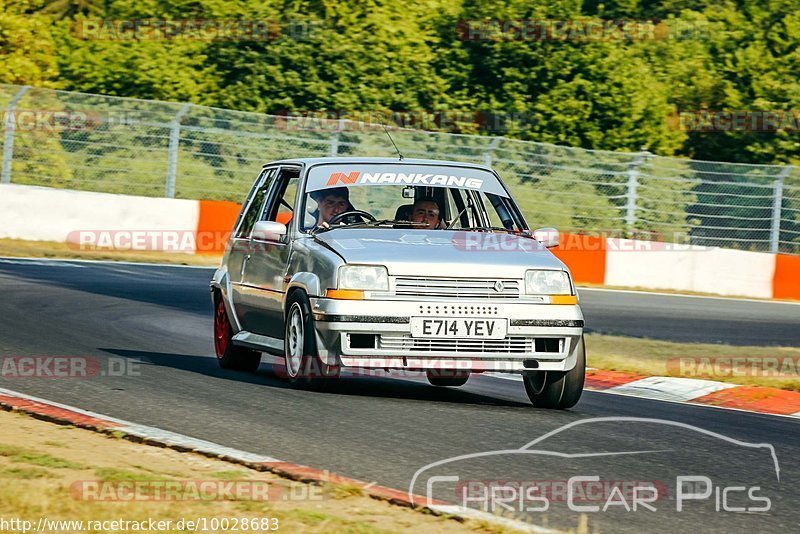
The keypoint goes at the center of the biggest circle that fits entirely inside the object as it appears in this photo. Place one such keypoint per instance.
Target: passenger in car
(426, 210)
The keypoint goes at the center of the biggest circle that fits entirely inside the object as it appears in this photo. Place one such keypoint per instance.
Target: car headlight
(364, 277)
(547, 283)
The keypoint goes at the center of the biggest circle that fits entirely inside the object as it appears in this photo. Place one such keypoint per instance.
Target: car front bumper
(539, 336)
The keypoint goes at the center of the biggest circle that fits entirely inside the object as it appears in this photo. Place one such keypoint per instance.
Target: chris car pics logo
(496, 482)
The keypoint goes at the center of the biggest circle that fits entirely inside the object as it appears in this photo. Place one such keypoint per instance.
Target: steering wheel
(352, 213)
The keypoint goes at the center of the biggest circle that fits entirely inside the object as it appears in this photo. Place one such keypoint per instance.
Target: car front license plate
(458, 327)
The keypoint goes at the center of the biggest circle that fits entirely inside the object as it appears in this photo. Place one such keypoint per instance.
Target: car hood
(441, 252)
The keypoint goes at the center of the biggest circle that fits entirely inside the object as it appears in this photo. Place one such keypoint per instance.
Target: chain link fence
(141, 147)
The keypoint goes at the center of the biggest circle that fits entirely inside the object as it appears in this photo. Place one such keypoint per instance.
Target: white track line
(33, 261)
(670, 388)
(62, 261)
(157, 434)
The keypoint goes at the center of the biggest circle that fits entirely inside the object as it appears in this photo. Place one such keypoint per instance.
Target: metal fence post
(334, 148)
(631, 189)
(777, 208)
(8, 141)
(487, 156)
(174, 141)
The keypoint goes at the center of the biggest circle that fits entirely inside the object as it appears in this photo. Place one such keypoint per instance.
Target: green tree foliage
(575, 92)
(63, 9)
(348, 56)
(343, 55)
(27, 51)
(356, 56)
(28, 57)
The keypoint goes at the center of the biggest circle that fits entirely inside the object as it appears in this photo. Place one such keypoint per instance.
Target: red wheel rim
(222, 329)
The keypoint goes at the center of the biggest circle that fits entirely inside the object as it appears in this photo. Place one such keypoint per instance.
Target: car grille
(457, 288)
(508, 345)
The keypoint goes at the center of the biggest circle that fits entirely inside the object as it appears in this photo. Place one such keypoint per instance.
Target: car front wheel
(304, 368)
(557, 389)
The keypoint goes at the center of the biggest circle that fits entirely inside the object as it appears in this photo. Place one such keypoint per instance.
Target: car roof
(393, 161)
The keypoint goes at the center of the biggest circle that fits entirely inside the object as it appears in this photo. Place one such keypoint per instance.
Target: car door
(240, 251)
(266, 269)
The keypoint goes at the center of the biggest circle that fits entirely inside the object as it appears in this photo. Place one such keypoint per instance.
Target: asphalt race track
(386, 429)
(691, 319)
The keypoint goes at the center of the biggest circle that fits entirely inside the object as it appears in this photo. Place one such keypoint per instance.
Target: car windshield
(407, 197)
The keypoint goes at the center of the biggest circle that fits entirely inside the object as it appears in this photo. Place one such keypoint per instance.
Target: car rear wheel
(557, 389)
(447, 377)
(229, 355)
(304, 368)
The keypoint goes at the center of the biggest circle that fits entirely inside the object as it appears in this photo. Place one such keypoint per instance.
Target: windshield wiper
(494, 229)
(388, 222)
(381, 222)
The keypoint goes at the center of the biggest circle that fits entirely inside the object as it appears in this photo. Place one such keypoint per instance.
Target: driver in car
(330, 203)
(426, 210)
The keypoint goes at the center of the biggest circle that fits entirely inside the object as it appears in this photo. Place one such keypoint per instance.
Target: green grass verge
(53, 488)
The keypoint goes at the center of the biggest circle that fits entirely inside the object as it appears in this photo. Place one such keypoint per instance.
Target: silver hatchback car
(378, 263)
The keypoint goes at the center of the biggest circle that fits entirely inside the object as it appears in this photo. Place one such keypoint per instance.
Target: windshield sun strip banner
(357, 175)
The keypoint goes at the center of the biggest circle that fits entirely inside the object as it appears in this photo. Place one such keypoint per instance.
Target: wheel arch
(306, 282)
(220, 287)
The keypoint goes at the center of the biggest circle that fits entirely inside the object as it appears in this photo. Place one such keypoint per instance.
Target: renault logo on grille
(499, 287)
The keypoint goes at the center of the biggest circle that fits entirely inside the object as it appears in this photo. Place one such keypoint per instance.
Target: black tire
(558, 390)
(304, 369)
(229, 355)
(447, 377)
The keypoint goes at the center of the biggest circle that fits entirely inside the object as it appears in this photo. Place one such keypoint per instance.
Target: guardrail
(150, 148)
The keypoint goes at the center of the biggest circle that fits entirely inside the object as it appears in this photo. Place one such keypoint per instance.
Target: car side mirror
(269, 231)
(548, 237)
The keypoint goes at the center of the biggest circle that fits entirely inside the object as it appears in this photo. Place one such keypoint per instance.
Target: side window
(495, 219)
(458, 206)
(497, 210)
(281, 204)
(256, 204)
